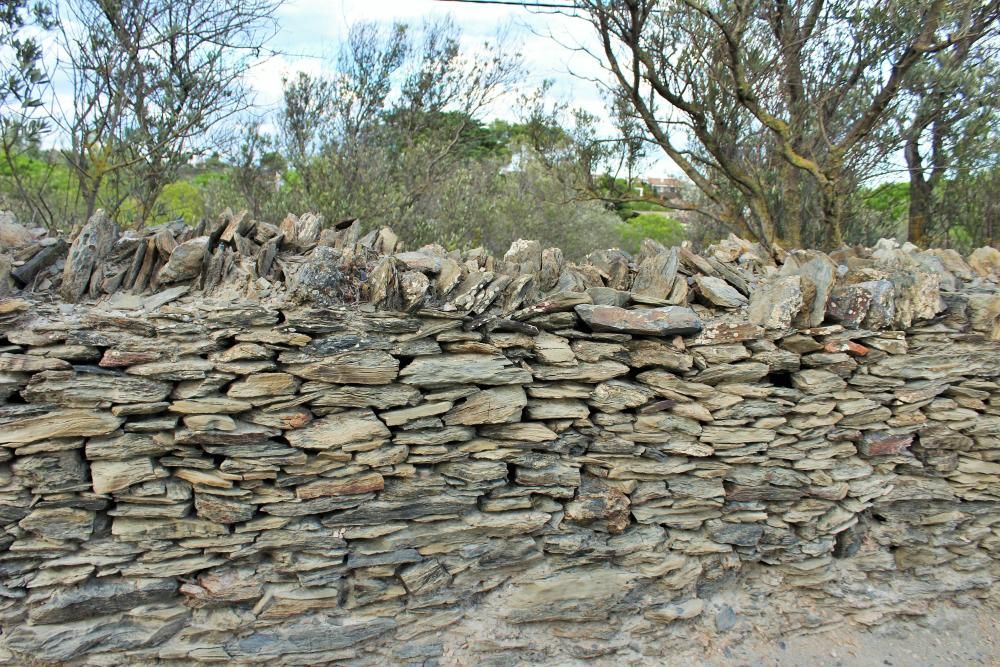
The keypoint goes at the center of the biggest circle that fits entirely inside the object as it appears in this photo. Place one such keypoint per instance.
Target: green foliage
(395, 134)
(877, 212)
(659, 228)
(480, 204)
(960, 237)
(472, 139)
(24, 164)
(643, 206)
(181, 200)
(967, 213)
(29, 176)
(964, 213)
(891, 199)
(21, 72)
(207, 178)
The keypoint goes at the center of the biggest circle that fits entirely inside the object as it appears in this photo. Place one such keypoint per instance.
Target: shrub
(179, 200)
(659, 228)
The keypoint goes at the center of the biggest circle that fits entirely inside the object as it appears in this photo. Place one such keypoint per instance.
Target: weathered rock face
(817, 274)
(459, 369)
(574, 451)
(718, 292)
(774, 304)
(986, 262)
(87, 254)
(654, 281)
(185, 261)
(57, 424)
(664, 321)
(12, 235)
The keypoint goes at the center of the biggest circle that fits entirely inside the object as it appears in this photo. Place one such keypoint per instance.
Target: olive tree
(775, 109)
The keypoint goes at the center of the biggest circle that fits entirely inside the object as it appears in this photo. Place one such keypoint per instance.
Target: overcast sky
(310, 31)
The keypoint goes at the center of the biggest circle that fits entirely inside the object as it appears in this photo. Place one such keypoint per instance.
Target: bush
(875, 213)
(181, 200)
(643, 206)
(659, 228)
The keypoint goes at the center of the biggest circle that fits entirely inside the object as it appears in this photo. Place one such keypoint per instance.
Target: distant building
(665, 188)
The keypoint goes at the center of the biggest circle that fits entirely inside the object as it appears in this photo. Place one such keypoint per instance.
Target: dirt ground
(739, 628)
(947, 636)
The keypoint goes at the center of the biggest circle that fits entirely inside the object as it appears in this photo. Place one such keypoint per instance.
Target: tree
(151, 80)
(395, 136)
(968, 211)
(566, 141)
(398, 116)
(22, 80)
(23, 74)
(809, 84)
(949, 120)
(256, 168)
(304, 119)
(632, 149)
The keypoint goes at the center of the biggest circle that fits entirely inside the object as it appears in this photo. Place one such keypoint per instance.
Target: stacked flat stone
(186, 478)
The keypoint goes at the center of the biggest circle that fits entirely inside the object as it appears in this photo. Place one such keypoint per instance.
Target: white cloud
(266, 76)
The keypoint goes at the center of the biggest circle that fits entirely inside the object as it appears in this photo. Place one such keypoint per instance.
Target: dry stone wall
(492, 448)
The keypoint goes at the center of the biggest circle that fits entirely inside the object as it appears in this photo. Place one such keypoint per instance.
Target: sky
(309, 31)
(549, 42)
